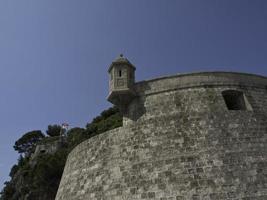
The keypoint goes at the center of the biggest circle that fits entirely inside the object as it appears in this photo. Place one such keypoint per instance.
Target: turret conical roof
(121, 60)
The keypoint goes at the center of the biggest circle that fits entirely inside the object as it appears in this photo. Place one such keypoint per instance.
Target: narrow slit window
(120, 73)
(236, 100)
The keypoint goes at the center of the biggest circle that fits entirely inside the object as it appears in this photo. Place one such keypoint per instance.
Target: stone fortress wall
(200, 136)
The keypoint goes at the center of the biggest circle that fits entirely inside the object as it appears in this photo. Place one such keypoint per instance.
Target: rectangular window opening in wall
(236, 100)
(42, 151)
(120, 73)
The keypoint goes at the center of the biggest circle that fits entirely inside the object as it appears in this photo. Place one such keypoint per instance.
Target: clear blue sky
(54, 54)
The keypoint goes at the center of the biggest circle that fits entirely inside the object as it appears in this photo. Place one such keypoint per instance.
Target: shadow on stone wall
(137, 109)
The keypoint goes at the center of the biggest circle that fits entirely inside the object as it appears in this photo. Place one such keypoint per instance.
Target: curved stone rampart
(200, 79)
(179, 141)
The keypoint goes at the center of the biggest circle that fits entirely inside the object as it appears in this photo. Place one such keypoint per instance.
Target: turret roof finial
(121, 60)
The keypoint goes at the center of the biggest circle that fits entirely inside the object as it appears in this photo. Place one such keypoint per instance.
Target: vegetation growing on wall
(38, 178)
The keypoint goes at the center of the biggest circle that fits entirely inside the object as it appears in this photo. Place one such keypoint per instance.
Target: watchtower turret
(122, 79)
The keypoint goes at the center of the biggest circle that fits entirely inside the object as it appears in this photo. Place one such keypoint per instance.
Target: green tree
(75, 136)
(26, 144)
(40, 177)
(108, 119)
(8, 191)
(53, 130)
(46, 174)
(13, 170)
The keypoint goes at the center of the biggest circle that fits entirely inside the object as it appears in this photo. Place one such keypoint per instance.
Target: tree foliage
(8, 191)
(108, 119)
(75, 136)
(28, 141)
(39, 178)
(53, 130)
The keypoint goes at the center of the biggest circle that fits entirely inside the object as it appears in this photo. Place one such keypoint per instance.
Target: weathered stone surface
(179, 142)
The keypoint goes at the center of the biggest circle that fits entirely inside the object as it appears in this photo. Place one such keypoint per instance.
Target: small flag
(65, 125)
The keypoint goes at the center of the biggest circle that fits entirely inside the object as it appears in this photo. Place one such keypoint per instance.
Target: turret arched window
(236, 100)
